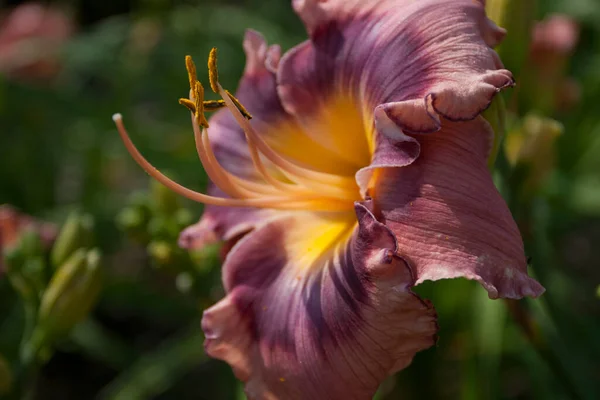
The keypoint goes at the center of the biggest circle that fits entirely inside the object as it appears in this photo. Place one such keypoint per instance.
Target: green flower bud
(75, 233)
(31, 243)
(13, 262)
(71, 294)
(531, 145)
(25, 265)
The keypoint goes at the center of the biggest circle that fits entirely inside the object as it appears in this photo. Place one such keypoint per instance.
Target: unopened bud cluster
(58, 285)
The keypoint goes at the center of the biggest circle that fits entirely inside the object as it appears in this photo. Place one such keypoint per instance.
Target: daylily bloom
(362, 173)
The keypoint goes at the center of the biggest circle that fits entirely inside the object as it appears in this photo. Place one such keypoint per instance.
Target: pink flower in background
(31, 36)
(362, 173)
(555, 36)
(553, 43)
(13, 224)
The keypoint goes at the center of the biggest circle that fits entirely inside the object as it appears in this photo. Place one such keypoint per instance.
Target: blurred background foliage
(111, 309)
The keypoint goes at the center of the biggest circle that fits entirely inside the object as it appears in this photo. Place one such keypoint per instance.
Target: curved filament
(277, 202)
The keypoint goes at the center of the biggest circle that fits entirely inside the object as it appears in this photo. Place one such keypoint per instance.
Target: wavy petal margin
(420, 70)
(419, 74)
(334, 333)
(449, 218)
(419, 60)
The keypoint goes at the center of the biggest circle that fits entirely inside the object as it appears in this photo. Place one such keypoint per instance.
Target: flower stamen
(278, 202)
(295, 188)
(213, 73)
(318, 181)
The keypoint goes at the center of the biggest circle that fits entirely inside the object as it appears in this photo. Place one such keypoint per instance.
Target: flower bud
(71, 294)
(24, 263)
(75, 233)
(12, 226)
(532, 145)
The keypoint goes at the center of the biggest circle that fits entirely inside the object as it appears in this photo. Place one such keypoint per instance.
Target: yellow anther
(213, 73)
(199, 98)
(214, 105)
(191, 69)
(239, 105)
(197, 90)
(190, 105)
(213, 76)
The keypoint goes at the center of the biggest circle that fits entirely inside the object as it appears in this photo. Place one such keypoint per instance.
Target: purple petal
(331, 330)
(423, 60)
(221, 223)
(449, 218)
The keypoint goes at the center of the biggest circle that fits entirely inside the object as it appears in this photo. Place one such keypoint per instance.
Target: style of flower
(361, 174)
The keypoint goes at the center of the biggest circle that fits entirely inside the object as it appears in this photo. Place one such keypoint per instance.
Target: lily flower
(361, 173)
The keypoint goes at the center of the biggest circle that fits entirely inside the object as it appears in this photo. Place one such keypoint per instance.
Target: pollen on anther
(213, 73)
(190, 105)
(213, 105)
(191, 68)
